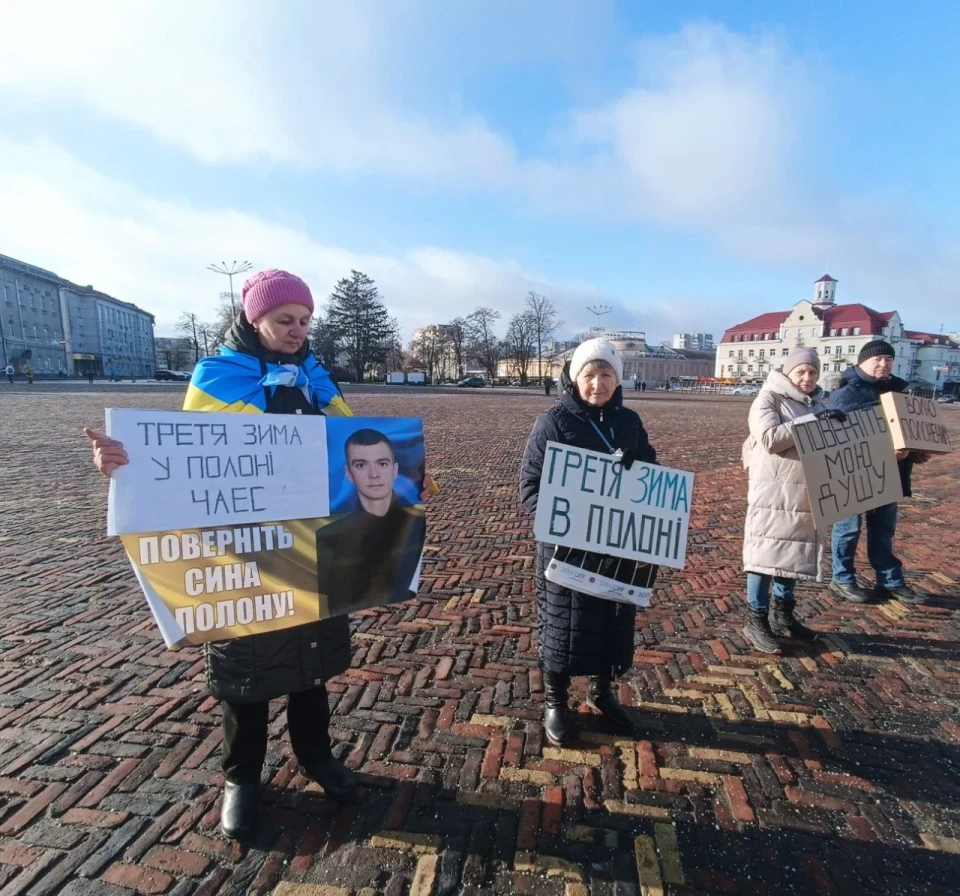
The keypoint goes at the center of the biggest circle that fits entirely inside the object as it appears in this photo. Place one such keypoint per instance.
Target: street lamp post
(235, 267)
(599, 310)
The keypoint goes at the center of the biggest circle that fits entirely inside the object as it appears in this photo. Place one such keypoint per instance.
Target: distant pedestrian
(546, 385)
(636, 384)
(28, 373)
(9, 371)
(643, 386)
(90, 376)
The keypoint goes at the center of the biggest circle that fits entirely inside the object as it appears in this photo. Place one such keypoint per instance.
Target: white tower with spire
(824, 292)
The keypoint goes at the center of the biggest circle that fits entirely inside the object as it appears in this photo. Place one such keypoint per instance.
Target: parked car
(177, 376)
(745, 390)
(946, 399)
(472, 382)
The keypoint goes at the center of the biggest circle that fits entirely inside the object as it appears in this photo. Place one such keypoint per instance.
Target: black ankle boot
(784, 625)
(757, 632)
(600, 697)
(556, 718)
(238, 817)
(338, 782)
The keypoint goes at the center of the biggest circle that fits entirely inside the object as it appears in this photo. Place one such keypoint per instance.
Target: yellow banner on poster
(217, 584)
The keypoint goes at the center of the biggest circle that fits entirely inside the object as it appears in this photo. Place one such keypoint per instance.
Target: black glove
(831, 414)
(628, 457)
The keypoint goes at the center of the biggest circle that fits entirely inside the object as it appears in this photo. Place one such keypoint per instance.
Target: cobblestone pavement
(834, 769)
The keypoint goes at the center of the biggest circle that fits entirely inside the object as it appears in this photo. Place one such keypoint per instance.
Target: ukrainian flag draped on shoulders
(234, 381)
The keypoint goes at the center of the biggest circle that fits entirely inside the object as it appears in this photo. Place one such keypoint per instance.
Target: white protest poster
(589, 501)
(850, 466)
(915, 423)
(238, 525)
(195, 470)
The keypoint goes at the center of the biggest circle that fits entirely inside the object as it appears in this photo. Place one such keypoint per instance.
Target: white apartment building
(750, 350)
(697, 342)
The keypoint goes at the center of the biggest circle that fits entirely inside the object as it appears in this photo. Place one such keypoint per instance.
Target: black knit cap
(875, 347)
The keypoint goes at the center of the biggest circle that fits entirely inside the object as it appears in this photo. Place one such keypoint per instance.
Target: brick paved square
(834, 769)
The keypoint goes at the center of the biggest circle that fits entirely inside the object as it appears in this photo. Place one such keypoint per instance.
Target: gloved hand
(628, 457)
(830, 414)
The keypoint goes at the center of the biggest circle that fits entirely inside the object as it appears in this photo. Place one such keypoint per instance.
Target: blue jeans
(881, 527)
(758, 590)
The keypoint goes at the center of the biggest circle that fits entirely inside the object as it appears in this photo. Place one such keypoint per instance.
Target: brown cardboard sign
(915, 423)
(850, 467)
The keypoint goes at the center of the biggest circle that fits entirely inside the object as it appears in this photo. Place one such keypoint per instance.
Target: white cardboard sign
(198, 470)
(589, 501)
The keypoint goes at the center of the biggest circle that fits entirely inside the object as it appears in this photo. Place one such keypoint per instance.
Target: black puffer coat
(261, 667)
(580, 634)
(858, 391)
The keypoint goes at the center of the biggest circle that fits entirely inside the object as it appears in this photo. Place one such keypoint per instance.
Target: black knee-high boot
(556, 718)
(600, 697)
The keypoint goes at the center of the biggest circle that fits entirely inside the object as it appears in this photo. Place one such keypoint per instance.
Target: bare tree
(430, 351)
(482, 340)
(545, 323)
(221, 325)
(189, 325)
(207, 333)
(394, 358)
(458, 332)
(520, 345)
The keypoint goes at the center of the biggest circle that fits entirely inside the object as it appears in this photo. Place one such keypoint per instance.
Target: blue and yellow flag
(233, 381)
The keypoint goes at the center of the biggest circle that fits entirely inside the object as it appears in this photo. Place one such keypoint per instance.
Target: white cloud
(705, 132)
(239, 81)
(154, 252)
(709, 137)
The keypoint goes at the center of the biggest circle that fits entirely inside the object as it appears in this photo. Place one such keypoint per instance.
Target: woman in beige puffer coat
(780, 543)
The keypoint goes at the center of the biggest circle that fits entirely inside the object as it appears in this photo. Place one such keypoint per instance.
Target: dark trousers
(245, 733)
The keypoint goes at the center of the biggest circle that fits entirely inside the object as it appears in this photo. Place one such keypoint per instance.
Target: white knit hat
(596, 350)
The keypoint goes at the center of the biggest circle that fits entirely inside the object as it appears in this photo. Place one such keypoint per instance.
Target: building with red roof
(751, 349)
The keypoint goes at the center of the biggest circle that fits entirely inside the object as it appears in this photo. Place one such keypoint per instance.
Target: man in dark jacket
(861, 387)
(370, 557)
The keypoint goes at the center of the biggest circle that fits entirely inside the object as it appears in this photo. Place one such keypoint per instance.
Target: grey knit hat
(800, 354)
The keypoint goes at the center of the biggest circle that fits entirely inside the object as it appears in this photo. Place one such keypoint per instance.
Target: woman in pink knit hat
(265, 365)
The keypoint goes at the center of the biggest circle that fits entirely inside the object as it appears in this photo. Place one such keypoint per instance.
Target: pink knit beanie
(271, 289)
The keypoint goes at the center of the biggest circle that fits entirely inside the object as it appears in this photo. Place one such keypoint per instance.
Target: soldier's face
(372, 469)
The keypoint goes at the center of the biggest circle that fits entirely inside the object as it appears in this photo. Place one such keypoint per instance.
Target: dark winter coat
(264, 666)
(580, 634)
(857, 391)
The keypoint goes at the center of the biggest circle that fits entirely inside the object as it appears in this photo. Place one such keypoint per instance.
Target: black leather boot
(556, 718)
(784, 625)
(600, 697)
(238, 817)
(337, 781)
(757, 632)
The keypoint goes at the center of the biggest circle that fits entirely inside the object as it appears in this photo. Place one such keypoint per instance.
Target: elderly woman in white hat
(580, 634)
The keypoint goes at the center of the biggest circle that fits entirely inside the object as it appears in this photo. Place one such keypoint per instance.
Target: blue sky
(688, 164)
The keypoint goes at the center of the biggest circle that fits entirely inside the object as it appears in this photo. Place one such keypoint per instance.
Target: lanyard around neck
(606, 441)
